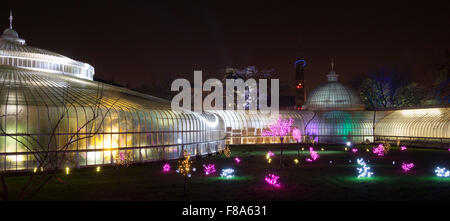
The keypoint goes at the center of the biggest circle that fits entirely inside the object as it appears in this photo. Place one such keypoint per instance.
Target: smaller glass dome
(333, 96)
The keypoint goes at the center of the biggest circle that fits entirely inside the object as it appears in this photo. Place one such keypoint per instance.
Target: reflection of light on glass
(421, 112)
(15, 158)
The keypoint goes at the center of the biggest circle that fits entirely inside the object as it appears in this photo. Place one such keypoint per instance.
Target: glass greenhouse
(51, 111)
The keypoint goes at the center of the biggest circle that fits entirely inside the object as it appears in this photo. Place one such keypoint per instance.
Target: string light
(272, 179)
(363, 171)
(166, 168)
(227, 151)
(227, 173)
(379, 150)
(314, 155)
(442, 172)
(184, 166)
(209, 169)
(406, 167)
(296, 134)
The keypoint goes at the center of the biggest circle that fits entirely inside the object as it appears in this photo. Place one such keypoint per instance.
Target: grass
(319, 180)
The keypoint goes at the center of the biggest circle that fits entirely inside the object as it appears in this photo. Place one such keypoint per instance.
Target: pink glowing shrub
(209, 169)
(280, 129)
(166, 168)
(237, 159)
(406, 167)
(379, 151)
(403, 148)
(354, 150)
(272, 179)
(314, 155)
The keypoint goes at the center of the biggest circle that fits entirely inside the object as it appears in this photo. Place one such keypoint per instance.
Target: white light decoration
(227, 173)
(442, 172)
(349, 144)
(363, 171)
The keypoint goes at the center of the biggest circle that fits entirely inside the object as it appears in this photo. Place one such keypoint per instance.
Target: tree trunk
(281, 151)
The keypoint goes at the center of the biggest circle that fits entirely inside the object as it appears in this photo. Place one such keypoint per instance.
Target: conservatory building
(50, 105)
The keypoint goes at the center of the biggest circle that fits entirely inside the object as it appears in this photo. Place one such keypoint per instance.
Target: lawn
(318, 180)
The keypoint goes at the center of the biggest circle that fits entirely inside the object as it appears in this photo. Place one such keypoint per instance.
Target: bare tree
(51, 155)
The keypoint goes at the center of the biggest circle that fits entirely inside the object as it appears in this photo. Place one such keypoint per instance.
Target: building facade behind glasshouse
(53, 114)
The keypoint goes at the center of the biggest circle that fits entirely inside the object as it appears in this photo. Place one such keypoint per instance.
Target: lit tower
(300, 93)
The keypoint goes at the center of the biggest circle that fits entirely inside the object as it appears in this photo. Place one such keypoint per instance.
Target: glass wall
(91, 123)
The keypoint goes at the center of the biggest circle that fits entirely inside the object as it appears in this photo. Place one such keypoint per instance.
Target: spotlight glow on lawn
(363, 171)
(379, 151)
(314, 155)
(237, 159)
(209, 169)
(354, 150)
(166, 168)
(442, 172)
(227, 173)
(406, 167)
(403, 148)
(272, 179)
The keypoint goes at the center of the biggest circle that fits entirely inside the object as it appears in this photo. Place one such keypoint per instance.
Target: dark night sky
(138, 41)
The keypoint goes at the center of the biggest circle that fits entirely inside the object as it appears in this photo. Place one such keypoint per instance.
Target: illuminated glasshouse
(50, 103)
(50, 106)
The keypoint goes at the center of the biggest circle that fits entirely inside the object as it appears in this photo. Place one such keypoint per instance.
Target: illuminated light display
(269, 160)
(269, 154)
(346, 149)
(314, 155)
(184, 166)
(67, 170)
(227, 151)
(403, 148)
(364, 170)
(272, 179)
(296, 161)
(406, 167)
(97, 169)
(393, 162)
(227, 173)
(354, 150)
(35, 170)
(379, 150)
(331, 161)
(303, 62)
(321, 149)
(367, 150)
(209, 169)
(166, 168)
(296, 134)
(442, 172)
(237, 160)
(348, 144)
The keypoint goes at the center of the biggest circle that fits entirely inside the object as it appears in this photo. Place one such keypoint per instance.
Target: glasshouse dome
(53, 115)
(333, 96)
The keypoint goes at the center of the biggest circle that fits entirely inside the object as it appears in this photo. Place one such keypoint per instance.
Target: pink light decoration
(166, 168)
(379, 150)
(314, 155)
(403, 148)
(209, 169)
(406, 167)
(270, 154)
(237, 159)
(280, 129)
(296, 134)
(354, 150)
(272, 179)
